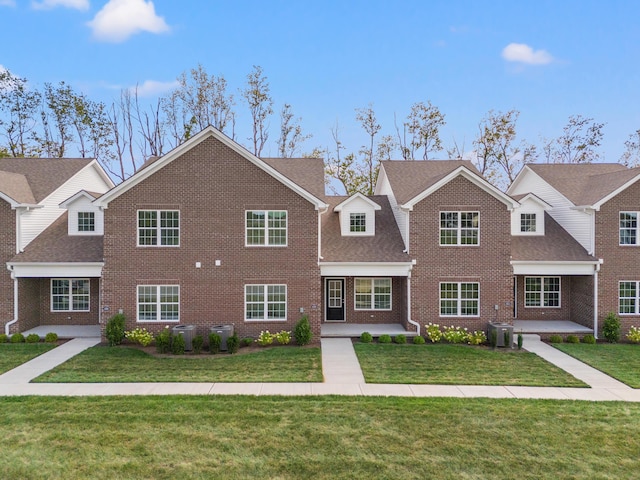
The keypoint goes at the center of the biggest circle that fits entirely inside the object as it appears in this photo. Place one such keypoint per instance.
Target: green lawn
(124, 364)
(446, 364)
(618, 360)
(316, 438)
(15, 354)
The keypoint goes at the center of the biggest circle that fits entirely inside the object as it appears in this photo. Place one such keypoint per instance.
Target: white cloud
(7, 3)
(152, 88)
(49, 4)
(522, 53)
(119, 19)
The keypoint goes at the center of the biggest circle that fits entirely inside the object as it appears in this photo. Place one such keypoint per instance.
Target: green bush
(114, 330)
(17, 338)
(400, 339)
(520, 341)
(611, 328)
(366, 337)
(302, 331)
(589, 339)
(51, 337)
(246, 342)
(634, 335)
(163, 341)
(477, 337)
(555, 339)
(265, 338)
(283, 337)
(4, 338)
(197, 343)
(418, 340)
(32, 338)
(177, 344)
(573, 339)
(233, 344)
(384, 338)
(215, 341)
(140, 335)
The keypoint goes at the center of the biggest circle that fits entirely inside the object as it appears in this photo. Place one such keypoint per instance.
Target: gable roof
(15, 188)
(359, 196)
(306, 172)
(206, 133)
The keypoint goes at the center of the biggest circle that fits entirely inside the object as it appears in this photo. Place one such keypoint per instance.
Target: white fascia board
(352, 198)
(145, 173)
(463, 171)
(554, 268)
(50, 270)
(521, 174)
(533, 197)
(101, 171)
(365, 269)
(14, 204)
(73, 198)
(382, 175)
(602, 201)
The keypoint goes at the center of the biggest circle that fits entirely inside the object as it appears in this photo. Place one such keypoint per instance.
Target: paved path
(339, 362)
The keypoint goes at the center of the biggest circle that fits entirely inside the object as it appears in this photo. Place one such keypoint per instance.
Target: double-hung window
(158, 303)
(357, 222)
(70, 295)
(459, 228)
(158, 228)
(266, 228)
(628, 228)
(265, 302)
(372, 294)
(629, 297)
(459, 299)
(86, 221)
(528, 222)
(542, 292)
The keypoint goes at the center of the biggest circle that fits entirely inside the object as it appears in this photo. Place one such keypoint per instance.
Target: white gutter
(321, 211)
(15, 304)
(417, 325)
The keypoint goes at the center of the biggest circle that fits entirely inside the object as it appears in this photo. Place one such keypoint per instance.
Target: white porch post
(595, 301)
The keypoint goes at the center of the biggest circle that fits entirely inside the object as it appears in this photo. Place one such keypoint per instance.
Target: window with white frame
(266, 228)
(459, 299)
(70, 294)
(357, 222)
(158, 228)
(86, 221)
(542, 292)
(628, 228)
(459, 228)
(527, 222)
(158, 303)
(629, 297)
(265, 302)
(372, 294)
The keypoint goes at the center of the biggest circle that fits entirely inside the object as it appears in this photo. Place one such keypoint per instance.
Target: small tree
(114, 330)
(302, 331)
(611, 328)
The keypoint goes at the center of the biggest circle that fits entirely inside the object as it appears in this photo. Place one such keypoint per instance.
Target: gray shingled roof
(586, 183)
(556, 245)
(308, 173)
(55, 245)
(385, 246)
(16, 186)
(44, 175)
(410, 178)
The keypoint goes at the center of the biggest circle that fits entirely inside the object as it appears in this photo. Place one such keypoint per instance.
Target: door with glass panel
(334, 297)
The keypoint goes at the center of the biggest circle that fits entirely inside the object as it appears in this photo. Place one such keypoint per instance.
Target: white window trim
(266, 229)
(637, 298)
(84, 212)
(158, 304)
(70, 295)
(372, 296)
(266, 302)
(535, 223)
(158, 228)
(459, 301)
(459, 229)
(542, 292)
(637, 229)
(364, 232)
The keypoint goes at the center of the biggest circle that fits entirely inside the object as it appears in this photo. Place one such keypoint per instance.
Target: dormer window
(86, 222)
(358, 222)
(357, 216)
(527, 222)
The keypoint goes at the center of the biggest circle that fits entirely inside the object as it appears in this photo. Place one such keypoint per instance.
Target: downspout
(321, 211)
(15, 302)
(416, 324)
(595, 299)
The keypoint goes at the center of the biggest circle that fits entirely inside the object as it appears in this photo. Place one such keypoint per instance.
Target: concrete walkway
(339, 362)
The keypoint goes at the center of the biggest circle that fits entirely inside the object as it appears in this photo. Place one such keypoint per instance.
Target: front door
(334, 295)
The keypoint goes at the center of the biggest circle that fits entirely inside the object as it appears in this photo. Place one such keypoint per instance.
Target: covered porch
(66, 331)
(550, 327)
(353, 330)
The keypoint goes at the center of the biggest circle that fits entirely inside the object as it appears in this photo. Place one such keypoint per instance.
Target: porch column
(595, 301)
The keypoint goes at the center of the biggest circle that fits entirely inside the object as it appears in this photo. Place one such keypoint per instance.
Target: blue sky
(547, 59)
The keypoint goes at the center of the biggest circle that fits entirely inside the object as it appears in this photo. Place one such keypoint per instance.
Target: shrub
(246, 342)
(283, 337)
(32, 338)
(51, 337)
(476, 338)
(455, 334)
(197, 343)
(265, 338)
(400, 339)
(177, 345)
(163, 341)
(140, 335)
(114, 330)
(366, 337)
(418, 340)
(215, 341)
(634, 335)
(520, 341)
(494, 338)
(572, 339)
(302, 331)
(4, 338)
(433, 332)
(590, 339)
(17, 338)
(384, 338)
(233, 343)
(555, 339)
(611, 328)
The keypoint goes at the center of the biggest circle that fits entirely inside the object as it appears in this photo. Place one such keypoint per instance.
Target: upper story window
(628, 228)
(159, 228)
(69, 294)
(357, 222)
(459, 228)
(527, 222)
(266, 228)
(86, 221)
(542, 292)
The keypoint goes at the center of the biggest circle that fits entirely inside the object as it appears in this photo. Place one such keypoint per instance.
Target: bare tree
(579, 141)
(291, 135)
(369, 164)
(631, 155)
(260, 105)
(423, 126)
(18, 113)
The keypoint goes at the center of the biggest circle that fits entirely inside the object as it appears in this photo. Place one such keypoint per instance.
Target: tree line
(57, 121)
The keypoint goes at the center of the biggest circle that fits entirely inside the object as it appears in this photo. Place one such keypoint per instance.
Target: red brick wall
(540, 313)
(487, 263)
(47, 317)
(7, 251)
(582, 300)
(29, 309)
(212, 186)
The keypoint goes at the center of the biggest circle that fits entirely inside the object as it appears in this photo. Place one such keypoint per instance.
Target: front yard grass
(237, 437)
(445, 364)
(618, 360)
(125, 364)
(13, 355)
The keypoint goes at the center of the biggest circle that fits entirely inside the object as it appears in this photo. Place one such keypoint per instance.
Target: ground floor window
(628, 298)
(459, 299)
(158, 303)
(372, 294)
(70, 295)
(265, 302)
(542, 292)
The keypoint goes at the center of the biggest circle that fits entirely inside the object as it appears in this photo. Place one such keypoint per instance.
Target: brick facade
(7, 251)
(544, 313)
